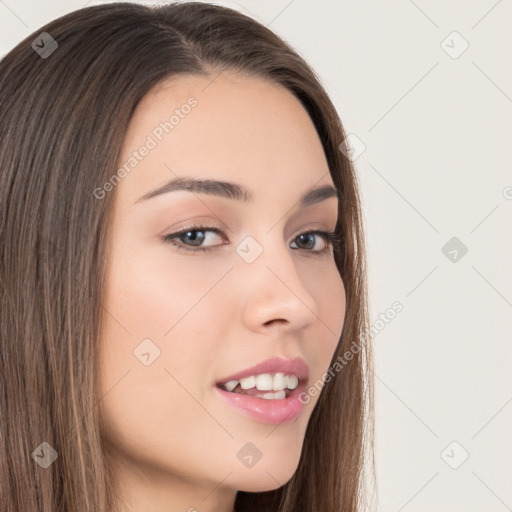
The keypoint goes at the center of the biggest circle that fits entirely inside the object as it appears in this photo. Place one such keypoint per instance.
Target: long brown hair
(63, 118)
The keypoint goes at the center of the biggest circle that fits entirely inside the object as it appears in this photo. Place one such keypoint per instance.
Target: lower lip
(271, 411)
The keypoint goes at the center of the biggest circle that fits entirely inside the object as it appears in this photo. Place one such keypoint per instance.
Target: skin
(172, 441)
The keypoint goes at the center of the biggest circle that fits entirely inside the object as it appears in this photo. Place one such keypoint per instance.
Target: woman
(182, 271)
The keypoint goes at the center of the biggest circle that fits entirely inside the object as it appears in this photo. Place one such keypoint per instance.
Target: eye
(315, 241)
(196, 238)
(201, 239)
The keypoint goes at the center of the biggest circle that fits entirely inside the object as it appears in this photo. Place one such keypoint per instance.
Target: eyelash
(330, 237)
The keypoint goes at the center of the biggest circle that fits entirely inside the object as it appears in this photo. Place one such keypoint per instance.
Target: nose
(274, 296)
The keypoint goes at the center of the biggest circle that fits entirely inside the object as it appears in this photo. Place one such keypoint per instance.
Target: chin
(266, 477)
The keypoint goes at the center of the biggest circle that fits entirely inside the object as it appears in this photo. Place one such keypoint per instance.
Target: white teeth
(278, 382)
(264, 382)
(278, 395)
(292, 381)
(232, 384)
(248, 382)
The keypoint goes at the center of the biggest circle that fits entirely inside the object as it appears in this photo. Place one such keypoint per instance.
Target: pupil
(195, 237)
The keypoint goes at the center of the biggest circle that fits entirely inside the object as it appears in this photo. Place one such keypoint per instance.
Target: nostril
(275, 320)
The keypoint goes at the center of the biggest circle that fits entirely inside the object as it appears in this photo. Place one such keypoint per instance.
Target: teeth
(292, 381)
(278, 395)
(232, 384)
(279, 382)
(265, 382)
(248, 382)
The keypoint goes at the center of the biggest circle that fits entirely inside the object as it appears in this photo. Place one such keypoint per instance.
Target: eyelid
(203, 222)
(311, 227)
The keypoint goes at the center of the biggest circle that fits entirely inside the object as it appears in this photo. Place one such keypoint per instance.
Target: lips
(272, 412)
(263, 407)
(295, 366)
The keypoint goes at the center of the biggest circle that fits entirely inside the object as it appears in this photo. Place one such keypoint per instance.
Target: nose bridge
(273, 289)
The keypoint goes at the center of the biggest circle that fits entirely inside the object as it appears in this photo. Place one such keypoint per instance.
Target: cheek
(334, 304)
(149, 408)
(150, 293)
(325, 285)
(327, 288)
(174, 304)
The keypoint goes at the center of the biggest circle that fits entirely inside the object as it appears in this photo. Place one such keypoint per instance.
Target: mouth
(268, 392)
(276, 386)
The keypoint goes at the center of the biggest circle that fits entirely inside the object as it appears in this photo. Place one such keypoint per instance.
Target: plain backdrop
(425, 89)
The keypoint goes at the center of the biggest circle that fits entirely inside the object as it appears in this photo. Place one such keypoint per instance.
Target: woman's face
(239, 286)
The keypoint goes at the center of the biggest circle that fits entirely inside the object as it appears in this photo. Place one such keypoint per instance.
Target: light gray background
(436, 165)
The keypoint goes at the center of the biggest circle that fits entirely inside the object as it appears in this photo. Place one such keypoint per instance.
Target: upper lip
(295, 366)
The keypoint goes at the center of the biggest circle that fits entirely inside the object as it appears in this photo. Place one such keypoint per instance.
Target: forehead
(234, 128)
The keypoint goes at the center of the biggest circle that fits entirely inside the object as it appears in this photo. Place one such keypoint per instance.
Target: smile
(268, 392)
(264, 385)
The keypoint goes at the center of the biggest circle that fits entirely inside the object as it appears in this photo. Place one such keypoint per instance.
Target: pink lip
(276, 364)
(264, 410)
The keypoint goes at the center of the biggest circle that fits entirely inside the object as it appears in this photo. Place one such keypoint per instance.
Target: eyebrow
(233, 190)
